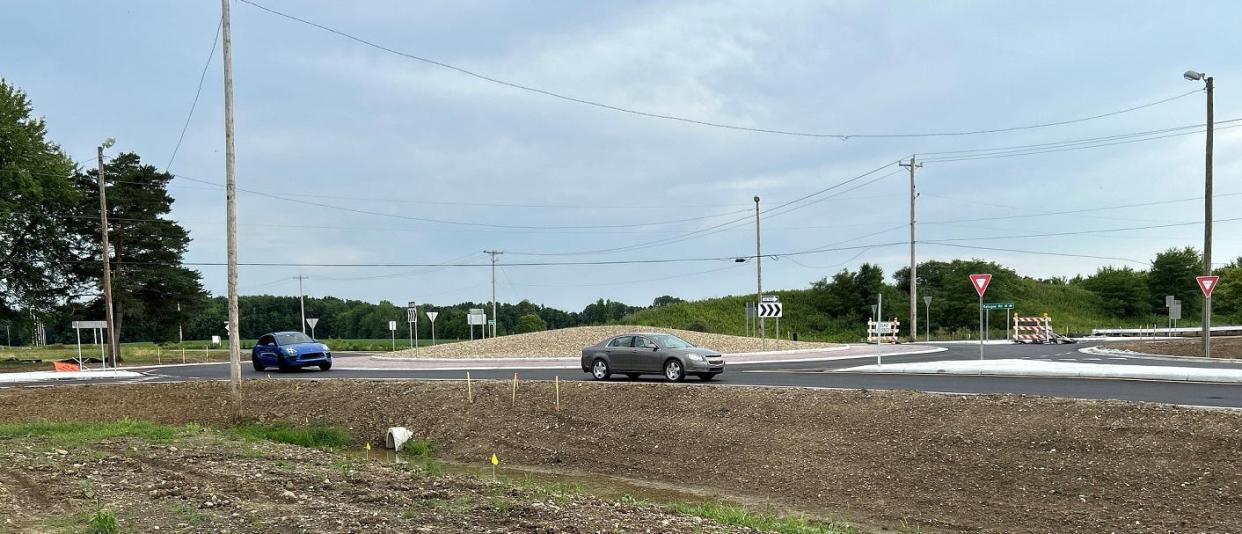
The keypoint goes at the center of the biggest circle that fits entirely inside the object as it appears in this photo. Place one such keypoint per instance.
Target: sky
(351, 154)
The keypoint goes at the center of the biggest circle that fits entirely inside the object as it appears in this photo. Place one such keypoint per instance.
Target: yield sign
(1207, 284)
(980, 281)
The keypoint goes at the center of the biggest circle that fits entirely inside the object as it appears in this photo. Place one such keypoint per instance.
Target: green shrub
(698, 325)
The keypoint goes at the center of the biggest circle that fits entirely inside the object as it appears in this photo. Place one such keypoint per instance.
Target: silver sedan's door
(621, 354)
(647, 355)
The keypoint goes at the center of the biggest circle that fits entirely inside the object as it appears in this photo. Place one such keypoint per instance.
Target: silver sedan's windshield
(292, 338)
(670, 341)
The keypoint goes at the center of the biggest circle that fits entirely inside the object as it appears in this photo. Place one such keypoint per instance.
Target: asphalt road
(826, 375)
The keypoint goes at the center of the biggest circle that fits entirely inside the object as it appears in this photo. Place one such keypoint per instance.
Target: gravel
(571, 341)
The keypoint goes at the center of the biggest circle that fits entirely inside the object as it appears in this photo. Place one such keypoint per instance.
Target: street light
(1195, 76)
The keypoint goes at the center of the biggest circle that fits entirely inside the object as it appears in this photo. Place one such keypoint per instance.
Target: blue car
(288, 351)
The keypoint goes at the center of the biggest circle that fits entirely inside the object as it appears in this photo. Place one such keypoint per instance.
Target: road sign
(770, 298)
(392, 325)
(1207, 284)
(432, 316)
(1175, 311)
(750, 310)
(1169, 300)
(412, 304)
(90, 324)
(980, 282)
(768, 310)
(476, 311)
(311, 321)
(884, 327)
(411, 315)
(215, 340)
(473, 319)
(491, 322)
(998, 306)
(927, 300)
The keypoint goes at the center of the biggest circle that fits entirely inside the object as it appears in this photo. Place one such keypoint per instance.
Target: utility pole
(1207, 209)
(914, 266)
(495, 321)
(107, 266)
(230, 197)
(302, 301)
(763, 335)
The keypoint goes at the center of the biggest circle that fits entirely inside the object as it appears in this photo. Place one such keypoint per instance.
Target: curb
(1102, 351)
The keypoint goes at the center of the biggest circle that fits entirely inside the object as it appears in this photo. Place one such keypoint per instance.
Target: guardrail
(1165, 332)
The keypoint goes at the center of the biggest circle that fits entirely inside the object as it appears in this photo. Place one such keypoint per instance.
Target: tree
(1227, 297)
(36, 197)
(148, 281)
(1123, 290)
(530, 323)
(665, 299)
(1173, 273)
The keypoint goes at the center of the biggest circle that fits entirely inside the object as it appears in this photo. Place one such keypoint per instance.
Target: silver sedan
(650, 353)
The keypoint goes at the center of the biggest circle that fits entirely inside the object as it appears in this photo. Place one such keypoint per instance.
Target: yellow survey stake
(494, 459)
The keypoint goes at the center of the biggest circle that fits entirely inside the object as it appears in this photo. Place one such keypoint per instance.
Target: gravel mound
(571, 341)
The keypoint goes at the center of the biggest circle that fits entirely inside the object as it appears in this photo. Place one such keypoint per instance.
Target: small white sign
(432, 315)
(476, 319)
(312, 321)
(770, 298)
(215, 340)
(392, 325)
(884, 328)
(90, 324)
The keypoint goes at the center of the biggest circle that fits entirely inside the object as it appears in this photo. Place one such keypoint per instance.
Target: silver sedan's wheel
(599, 370)
(673, 371)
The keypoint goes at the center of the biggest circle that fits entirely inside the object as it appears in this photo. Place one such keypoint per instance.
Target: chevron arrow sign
(769, 310)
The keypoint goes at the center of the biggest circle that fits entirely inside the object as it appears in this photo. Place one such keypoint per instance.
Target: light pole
(927, 316)
(1207, 210)
(107, 266)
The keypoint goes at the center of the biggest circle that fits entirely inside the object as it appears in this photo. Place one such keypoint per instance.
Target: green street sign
(998, 306)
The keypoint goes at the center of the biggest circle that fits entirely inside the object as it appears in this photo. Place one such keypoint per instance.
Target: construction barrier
(890, 337)
(1036, 329)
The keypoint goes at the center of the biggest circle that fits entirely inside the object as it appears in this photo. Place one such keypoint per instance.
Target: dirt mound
(206, 484)
(905, 460)
(571, 341)
(1222, 347)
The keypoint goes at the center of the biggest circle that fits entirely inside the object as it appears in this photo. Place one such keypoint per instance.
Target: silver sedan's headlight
(696, 358)
(291, 351)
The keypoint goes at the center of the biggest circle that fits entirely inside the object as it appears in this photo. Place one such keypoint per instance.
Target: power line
(1070, 148)
(1083, 232)
(632, 111)
(1198, 125)
(1076, 211)
(1042, 253)
(197, 93)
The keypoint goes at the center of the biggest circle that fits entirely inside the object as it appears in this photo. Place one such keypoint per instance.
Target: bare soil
(571, 341)
(1222, 347)
(208, 484)
(894, 460)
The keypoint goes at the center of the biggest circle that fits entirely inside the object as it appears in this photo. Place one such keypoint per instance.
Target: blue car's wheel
(325, 366)
(258, 366)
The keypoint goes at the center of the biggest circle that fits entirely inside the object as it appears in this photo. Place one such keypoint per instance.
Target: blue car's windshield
(670, 341)
(292, 338)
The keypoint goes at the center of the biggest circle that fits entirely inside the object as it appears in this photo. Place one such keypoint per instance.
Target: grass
(740, 517)
(313, 436)
(102, 522)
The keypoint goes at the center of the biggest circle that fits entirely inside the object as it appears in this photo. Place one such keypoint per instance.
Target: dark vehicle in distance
(651, 353)
(288, 351)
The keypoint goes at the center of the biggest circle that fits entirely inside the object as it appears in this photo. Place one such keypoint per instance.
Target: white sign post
(312, 322)
(476, 317)
(392, 328)
(411, 317)
(431, 316)
(93, 325)
(980, 283)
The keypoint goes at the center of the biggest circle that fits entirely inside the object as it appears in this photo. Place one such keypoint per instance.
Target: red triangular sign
(980, 281)
(1207, 284)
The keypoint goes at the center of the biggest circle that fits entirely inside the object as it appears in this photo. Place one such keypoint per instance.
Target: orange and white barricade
(1035, 329)
(890, 337)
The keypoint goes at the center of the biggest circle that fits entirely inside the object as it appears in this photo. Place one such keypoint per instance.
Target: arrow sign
(980, 281)
(1207, 284)
(432, 315)
(769, 310)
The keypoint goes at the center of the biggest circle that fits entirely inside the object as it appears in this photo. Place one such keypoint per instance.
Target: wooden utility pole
(107, 266)
(302, 302)
(763, 335)
(495, 320)
(230, 197)
(914, 266)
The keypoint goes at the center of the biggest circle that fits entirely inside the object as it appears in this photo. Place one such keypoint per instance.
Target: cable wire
(197, 92)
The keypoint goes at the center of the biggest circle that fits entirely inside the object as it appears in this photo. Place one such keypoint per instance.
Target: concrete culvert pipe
(397, 436)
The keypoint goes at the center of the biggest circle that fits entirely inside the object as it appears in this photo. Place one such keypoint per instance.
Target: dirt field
(204, 483)
(1222, 347)
(571, 341)
(938, 463)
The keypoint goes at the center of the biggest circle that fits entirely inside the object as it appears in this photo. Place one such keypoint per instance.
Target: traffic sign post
(312, 322)
(926, 317)
(411, 317)
(392, 327)
(431, 316)
(1207, 284)
(879, 308)
(99, 326)
(980, 283)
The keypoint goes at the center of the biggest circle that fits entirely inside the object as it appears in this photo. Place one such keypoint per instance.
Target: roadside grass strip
(741, 517)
